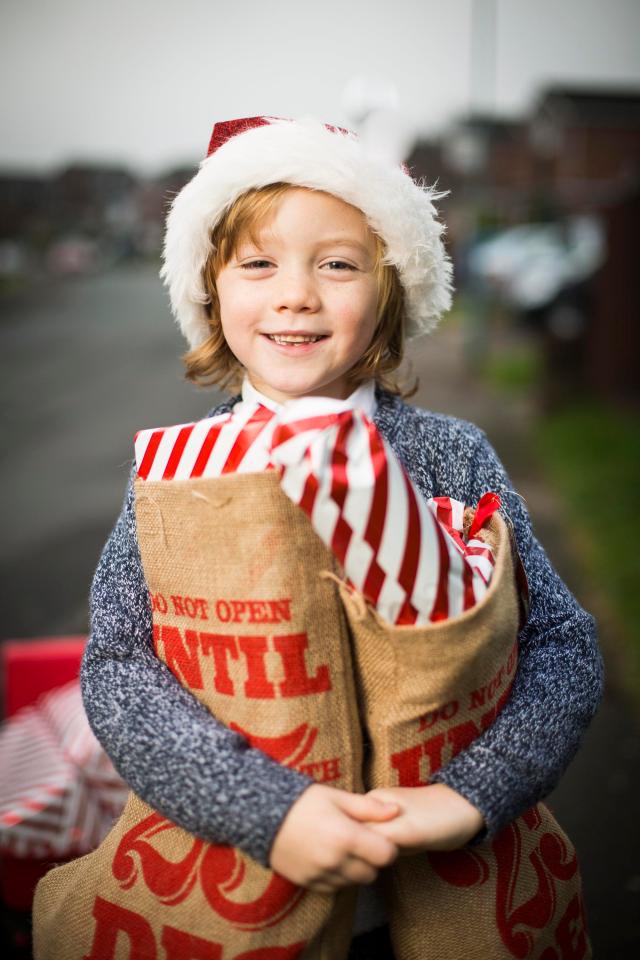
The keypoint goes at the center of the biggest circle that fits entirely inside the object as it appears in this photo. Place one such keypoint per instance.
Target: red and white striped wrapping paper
(59, 793)
(208, 448)
(407, 556)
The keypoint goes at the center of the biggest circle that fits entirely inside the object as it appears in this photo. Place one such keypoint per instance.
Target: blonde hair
(213, 363)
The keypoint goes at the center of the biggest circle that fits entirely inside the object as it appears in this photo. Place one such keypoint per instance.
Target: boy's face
(298, 308)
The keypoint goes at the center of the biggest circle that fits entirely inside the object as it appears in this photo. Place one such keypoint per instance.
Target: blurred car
(529, 266)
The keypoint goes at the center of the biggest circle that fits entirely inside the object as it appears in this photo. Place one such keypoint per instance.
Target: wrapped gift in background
(59, 793)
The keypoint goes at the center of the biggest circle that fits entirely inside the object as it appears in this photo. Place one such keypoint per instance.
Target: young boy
(297, 264)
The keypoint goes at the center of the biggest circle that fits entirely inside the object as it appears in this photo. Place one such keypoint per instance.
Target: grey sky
(142, 81)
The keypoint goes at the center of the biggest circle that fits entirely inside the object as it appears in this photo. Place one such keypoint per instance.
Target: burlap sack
(244, 619)
(425, 693)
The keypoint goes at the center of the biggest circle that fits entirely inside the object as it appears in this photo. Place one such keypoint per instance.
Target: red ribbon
(487, 506)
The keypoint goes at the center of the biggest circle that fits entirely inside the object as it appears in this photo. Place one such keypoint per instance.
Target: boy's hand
(327, 839)
(431, 818)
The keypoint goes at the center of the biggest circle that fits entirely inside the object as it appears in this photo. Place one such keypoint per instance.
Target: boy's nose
(298, 293)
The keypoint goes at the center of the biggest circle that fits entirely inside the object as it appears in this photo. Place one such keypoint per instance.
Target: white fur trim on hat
(307, 154)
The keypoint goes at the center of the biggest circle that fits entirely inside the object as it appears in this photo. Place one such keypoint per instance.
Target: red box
(31, 667)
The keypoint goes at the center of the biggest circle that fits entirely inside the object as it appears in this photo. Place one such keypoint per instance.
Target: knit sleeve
(558, 684)
(165, 744)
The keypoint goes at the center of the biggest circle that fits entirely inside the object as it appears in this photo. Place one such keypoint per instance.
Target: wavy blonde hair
(212, 362)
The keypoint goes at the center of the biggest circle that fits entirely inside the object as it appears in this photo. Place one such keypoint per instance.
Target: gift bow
(406, 555)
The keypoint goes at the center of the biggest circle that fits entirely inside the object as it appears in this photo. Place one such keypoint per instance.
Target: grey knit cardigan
(206, 778)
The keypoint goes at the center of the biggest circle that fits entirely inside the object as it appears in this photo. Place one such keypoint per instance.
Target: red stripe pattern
(59, 793)
(206, 448)
(407, 556)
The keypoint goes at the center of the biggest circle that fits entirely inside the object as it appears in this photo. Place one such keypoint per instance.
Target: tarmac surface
(87, 362)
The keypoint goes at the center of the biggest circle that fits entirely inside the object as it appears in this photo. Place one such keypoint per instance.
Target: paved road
(88, 362)
(85, 364)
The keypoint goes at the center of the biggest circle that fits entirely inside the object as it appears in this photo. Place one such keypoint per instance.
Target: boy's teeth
(292, 339)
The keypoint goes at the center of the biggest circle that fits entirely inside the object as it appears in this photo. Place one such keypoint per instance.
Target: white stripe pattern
(59, 793)
(413, 574)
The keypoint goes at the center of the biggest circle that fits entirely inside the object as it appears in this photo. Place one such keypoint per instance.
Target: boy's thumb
(363, 807)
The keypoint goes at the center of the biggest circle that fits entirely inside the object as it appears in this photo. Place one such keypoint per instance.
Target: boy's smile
(298, 303)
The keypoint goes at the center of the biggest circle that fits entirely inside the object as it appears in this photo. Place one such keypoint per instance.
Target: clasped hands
(331, 838)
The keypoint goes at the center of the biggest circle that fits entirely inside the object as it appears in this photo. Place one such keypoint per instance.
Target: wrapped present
(31, 668)
(59, 792)
(406, 555)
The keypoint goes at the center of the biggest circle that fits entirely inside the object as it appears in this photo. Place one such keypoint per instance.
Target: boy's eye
(340, 265)
(256, 264)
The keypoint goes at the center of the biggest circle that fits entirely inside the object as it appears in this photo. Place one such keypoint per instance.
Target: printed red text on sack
(415, 764)
(226, 611)
(113, 921)
(183, 649)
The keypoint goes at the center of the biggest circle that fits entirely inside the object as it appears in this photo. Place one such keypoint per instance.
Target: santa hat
(257, 151)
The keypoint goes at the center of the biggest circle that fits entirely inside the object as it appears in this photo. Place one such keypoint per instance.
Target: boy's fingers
(356, 870)
(387, 829)
(373, 848)
(383, 796)
(363, 807)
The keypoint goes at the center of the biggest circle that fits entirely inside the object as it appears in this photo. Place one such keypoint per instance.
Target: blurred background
(527, 114)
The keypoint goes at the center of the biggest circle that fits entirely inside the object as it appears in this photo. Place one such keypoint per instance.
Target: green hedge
(592, 454)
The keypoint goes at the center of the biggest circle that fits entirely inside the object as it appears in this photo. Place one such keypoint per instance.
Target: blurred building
(81, 218)
(586, 145)
(575, 154)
